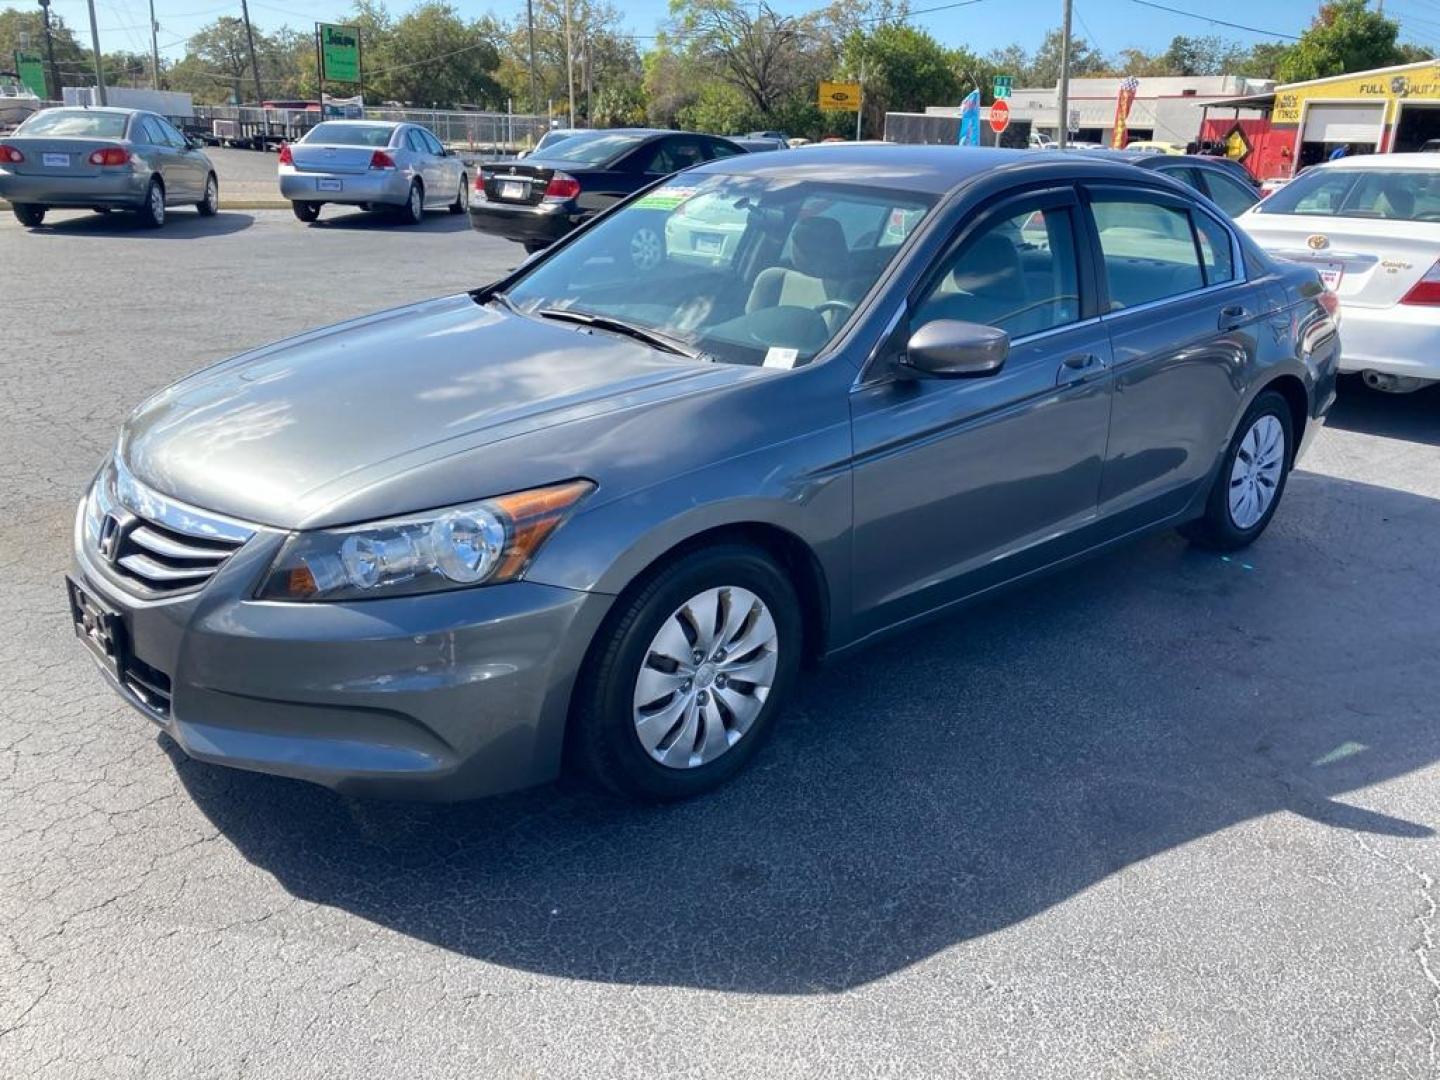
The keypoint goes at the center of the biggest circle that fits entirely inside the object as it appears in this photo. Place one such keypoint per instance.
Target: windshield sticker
(664, 199)
(784, 359)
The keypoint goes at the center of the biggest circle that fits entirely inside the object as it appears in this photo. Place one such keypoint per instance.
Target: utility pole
(54, 92)
(95, 48)
(154, 50)
(530, 20)
(254, 66)
(1062, 135)
(569, 66)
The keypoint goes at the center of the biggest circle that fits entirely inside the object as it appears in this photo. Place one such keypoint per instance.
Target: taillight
(111, 155)
(11, 154)
(286, 157)
(1329, 301)
(1426, 290)
(381, 160)
(562, 186)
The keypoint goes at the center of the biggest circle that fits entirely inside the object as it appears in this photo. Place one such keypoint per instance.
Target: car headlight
(480, 543)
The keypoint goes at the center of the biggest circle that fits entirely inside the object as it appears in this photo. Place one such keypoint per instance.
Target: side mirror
(194, 142)
(947, 349)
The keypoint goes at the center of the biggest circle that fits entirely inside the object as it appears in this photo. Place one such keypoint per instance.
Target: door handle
(1233, 315)
(1079, 368)
(1081, 361)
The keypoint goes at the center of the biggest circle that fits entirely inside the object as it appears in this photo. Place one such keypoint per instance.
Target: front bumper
(1399, 340)
(387, 186)
(442, 697)
(542, 223)
(124, 189)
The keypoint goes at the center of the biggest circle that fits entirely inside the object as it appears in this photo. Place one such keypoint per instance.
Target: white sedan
(1371, 226)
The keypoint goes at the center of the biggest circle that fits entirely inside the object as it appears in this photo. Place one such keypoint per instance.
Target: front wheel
(152, 210)
(462, 197)
(306, 211)
(1251, 480)
(685, 679)
(28, 214)
(209, 206)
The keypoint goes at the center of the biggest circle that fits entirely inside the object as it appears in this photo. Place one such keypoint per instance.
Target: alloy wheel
(705, 677)
(1255, 474)
(645, 248)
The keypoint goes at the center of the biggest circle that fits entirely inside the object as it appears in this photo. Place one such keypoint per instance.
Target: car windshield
(79, 123)
(1389, 194)
(350, 134)
(738, 269)
(589, 149)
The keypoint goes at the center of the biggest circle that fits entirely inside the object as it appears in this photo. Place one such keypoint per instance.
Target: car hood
(340, 424)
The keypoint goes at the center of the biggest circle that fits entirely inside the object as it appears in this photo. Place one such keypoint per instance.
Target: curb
(228, 204)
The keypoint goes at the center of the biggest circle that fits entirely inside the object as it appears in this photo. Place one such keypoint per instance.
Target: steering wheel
(842, 307)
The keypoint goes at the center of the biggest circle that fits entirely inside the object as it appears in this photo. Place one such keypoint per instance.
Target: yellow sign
(840, 96)
(1417, 84)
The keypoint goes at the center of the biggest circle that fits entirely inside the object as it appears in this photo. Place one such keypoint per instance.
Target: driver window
(1016, 273)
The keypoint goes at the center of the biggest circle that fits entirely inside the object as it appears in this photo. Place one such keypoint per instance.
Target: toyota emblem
(1317, 242)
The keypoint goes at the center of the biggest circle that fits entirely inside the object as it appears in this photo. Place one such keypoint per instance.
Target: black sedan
(1226, 182)
(536, 201)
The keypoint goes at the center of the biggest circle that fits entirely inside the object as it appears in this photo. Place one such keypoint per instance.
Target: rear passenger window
(1148, 248)
(1216, 252)
(1017, 273)
(1230, 195)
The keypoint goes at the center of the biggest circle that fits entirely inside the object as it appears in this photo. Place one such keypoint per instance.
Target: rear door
(1183, 324)
(191, 168)
(426, 165)
(164, 158)
(446, 185)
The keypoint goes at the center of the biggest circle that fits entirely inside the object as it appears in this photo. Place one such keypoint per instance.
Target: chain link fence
(478, 132)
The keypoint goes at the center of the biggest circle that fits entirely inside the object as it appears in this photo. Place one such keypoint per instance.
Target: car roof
(934, 170)
(1382, 161)
(367, 123)
(114, 110)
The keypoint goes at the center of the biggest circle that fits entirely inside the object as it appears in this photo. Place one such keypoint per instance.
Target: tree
(1345, 36)
(905, 70)
(73, 62)
(431, 56)
(755, 53)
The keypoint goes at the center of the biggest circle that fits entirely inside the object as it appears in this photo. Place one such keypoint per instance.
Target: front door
(962, 483)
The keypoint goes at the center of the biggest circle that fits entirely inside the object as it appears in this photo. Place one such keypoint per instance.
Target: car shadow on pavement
(436, 221)
(180, 224)
(952, 782)
(1413, 417)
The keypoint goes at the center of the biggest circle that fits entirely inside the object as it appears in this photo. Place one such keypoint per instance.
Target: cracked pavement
(1165, 815)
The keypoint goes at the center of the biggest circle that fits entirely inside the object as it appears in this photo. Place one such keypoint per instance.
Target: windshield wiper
(653, 338)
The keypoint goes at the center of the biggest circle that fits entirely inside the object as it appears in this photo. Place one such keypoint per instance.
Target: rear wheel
(209, 206)
(306, 211)
(28, 214)
(684, 681)
(152, 211)
(462, 197)
(412, 212)
(1251, 480)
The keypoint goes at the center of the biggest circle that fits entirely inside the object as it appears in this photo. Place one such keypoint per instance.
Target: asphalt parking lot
(1169, 815)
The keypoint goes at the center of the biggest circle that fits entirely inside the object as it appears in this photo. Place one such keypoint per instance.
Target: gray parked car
(599, 516)
(104, 159)
(372, 164)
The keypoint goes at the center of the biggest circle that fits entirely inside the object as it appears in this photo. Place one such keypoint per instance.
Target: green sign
(1002, 86)
(340, 53)
(31, 72)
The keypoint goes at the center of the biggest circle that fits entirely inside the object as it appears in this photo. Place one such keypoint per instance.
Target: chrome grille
(151, 544)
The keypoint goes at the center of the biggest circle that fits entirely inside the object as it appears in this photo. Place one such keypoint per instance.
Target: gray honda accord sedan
(596, 517)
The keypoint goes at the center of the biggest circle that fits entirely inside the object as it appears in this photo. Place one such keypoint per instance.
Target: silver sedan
(372, 164)
(104, 159)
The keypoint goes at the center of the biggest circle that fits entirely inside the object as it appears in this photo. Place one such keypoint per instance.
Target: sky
(1109, 25)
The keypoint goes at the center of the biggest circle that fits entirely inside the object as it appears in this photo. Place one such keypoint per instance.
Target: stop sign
(999, 116)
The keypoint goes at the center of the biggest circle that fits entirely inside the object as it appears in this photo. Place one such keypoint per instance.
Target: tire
(412, 210)
(28, 214)
(209, 206)
(1254, 468)
(306, 211)
(152, 211)
(462, 197)
(706, 723)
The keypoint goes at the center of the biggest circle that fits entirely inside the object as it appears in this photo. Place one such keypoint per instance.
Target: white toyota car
(1371, 226)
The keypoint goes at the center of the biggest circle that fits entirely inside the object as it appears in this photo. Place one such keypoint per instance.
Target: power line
(1216, 22)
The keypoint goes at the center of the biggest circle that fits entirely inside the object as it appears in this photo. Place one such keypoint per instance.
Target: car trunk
(326, 158)
(47, 156)
(1368, 262)
(517, 182)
